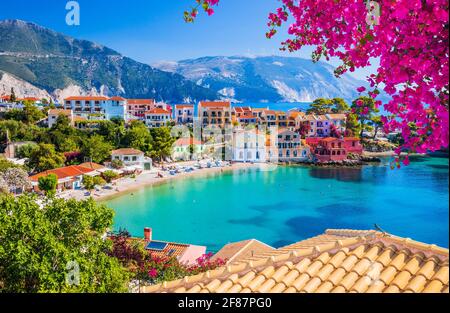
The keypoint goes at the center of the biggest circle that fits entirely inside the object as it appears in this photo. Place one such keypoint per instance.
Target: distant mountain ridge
(266, 79)
(62, 65)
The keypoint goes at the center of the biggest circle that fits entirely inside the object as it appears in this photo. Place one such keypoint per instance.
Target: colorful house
(157, 117)
(214, 113)
(184, 113)
(53, 115)
(249, 146)
(289, 147)
(182, 149)
(97, 107)
(69, 177)
(132, 158)
(328, 149)
(185, 253)
(353, 145)
(136, 108)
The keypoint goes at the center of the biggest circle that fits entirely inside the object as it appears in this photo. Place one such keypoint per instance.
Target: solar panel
(156, 245)
(171, 251)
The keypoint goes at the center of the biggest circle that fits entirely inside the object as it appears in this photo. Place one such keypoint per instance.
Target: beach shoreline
(150, 178)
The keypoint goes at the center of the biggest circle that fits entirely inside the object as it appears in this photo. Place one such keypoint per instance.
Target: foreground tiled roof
(337, 261)
(171, 250)
(242, 250)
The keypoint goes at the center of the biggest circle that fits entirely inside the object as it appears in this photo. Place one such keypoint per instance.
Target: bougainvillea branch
(409, 37)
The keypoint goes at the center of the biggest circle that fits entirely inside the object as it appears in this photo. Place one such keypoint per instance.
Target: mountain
(266, 79)
(62, 66)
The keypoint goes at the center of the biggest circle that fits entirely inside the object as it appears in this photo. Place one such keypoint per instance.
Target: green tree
(113, 131)
(109, 176)
(320, 106)
(42, 246)
(162, 143)
(48, 184)
(5, 165)
(99, 181)
(13, 97)
(365, 109)
(88, 182)
(24, 151)
(340, 106)
(376, 124)
(352, 127)
(138, 137)
(96, 149)
(32, 114)
(44, 157)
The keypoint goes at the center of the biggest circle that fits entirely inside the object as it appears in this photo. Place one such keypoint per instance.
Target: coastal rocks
(377, 146)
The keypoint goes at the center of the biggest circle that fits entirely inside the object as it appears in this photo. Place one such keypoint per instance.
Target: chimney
(148, 234)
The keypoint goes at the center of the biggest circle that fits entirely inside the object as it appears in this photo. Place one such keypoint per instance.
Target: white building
(53, 115)
(249, 146)
(157, 118)
(132, 158)
(97, 107)
(187, 149)
(184, 113)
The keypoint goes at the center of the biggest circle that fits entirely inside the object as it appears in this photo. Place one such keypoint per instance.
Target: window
(134, 158)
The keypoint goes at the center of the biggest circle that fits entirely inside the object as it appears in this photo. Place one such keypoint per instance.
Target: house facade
(132, 158)
(53, 115)
(157, 118)
(249, 146)
(69, 177)
(136, 108)
(214, 113)
(328, 149)
(182, 149)
(184, 113)
(290, 147)
(96, 107)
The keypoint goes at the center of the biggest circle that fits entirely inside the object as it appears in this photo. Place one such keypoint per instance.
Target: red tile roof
(92, 165)
(216, 104)
(59, 112)
(126, 151)
(140, 101)
(117, 99)
(88, 98)
(187, 142)
(157, 111)
(182, 106)
(64, 172)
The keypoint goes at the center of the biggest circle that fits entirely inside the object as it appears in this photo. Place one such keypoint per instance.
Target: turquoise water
(293, 203)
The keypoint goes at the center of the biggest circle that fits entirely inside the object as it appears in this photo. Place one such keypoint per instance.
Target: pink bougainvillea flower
(153, 273)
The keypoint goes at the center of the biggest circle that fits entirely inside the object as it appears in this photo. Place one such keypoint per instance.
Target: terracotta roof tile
(337, 261)
(141, 101)
(126, 151)
(86, 98)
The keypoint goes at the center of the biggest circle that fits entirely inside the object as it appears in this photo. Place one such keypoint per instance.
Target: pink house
(353, 145)
(334, 149)
(327, 149)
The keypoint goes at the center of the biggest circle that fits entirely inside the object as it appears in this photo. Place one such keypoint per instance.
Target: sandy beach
(150, 178)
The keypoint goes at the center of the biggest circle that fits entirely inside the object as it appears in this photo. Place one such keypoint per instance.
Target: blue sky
(154, 30)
